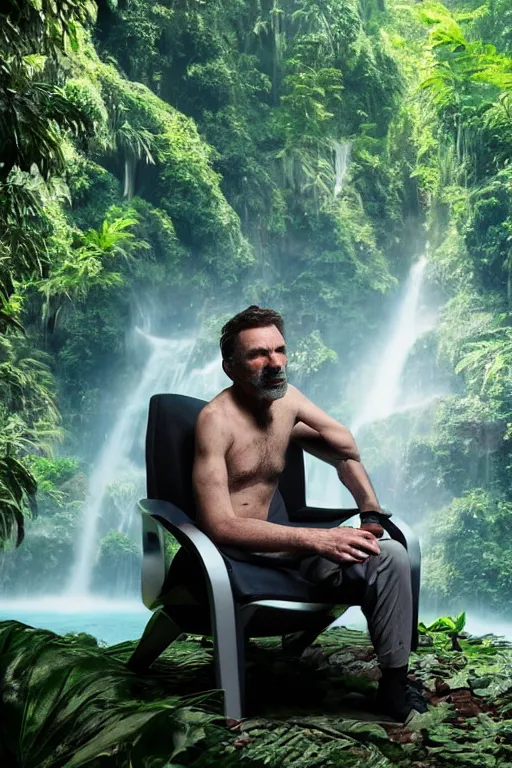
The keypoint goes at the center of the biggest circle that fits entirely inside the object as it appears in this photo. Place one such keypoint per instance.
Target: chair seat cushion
(259, 578)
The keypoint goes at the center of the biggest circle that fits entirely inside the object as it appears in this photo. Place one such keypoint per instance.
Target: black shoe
(401, 701)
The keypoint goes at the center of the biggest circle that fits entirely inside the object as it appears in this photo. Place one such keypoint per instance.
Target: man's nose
(276, 361)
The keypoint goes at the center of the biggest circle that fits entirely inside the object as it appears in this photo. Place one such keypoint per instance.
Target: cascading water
(341, 160)
(384, 397)
(167, 369)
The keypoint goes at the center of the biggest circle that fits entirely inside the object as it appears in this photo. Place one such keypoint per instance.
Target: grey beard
(264, 392)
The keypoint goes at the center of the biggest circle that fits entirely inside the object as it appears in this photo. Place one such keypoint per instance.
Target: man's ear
(227, 370)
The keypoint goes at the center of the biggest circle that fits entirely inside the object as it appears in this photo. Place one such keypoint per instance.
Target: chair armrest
(399, 530)
(224, 619)
(153, 560)
(163, 514)
(155, 516)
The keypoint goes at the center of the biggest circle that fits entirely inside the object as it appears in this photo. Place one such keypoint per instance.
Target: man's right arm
(218, 520)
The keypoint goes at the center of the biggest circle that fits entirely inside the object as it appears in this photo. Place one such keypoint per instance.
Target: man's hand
(346, 545)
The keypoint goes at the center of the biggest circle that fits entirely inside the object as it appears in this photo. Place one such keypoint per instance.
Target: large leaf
(66, 705)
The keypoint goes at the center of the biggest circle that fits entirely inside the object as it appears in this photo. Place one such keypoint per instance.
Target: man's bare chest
(258, 455)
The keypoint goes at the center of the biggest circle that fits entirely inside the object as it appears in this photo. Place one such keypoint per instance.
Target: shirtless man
(241, 440)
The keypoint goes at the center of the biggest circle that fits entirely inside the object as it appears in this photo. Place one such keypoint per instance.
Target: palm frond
(66, 704)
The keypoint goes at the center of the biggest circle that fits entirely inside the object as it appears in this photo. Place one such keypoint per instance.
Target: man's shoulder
(293, 396)
(297, 402)
(213, 431)
(288, 406)
(293, 392)
(215, 412)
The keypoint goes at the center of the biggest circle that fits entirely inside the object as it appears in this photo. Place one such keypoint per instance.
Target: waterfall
(167, 369)
(341, 159)
(384, 397)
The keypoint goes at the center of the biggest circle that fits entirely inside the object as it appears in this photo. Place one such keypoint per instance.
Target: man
(241, 440)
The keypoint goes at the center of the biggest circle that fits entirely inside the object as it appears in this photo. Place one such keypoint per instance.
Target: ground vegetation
(71, 703)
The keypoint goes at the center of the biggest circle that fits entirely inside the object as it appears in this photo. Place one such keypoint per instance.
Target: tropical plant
(34, 116)
(461, 73)
(84, 267)
(488, 359)
(29, 422)
(447, 626)
(33, 112)
(67, 705)
(17, 488)
(22, 237)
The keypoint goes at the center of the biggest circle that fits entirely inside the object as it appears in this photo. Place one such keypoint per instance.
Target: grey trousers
(383, 585)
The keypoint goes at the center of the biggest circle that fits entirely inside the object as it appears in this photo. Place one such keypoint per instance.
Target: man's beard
(264, 389)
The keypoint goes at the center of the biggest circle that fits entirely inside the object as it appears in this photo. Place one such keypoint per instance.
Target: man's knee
(394, 555)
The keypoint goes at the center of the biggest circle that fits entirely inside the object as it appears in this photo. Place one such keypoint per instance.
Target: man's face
(259, 363)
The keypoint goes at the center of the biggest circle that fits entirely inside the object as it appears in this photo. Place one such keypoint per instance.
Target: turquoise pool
(109, 621)
(113, 621)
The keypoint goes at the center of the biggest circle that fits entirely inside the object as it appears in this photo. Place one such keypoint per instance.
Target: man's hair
(252, 317)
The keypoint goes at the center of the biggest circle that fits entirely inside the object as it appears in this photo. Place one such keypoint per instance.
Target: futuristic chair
(209, 592)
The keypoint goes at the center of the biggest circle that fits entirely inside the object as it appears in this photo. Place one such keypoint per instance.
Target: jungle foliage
(169, 163)
(70, 703)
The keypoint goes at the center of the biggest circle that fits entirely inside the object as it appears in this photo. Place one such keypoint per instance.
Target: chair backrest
(170, 455)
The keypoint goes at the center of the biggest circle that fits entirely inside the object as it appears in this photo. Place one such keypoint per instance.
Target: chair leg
(229, 653)
(296, 643)
(160, 632)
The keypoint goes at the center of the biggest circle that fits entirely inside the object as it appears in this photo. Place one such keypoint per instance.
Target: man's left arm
(327, 439)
